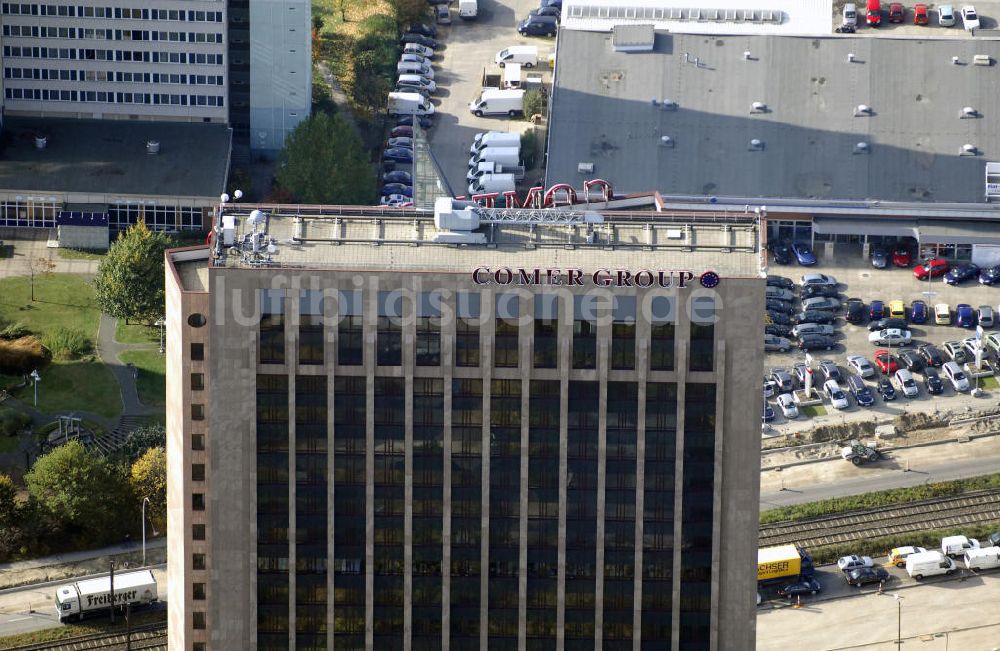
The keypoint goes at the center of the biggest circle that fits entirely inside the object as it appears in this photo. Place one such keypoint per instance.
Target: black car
(778, 317)
(816, 342)
(994, 539)
(961, 273)
(990, 275)
(880, 258)
(420, 28)
(419, 39)
(863, 575)
(556, 12)
(808, 586)
(932, 356)
(438, 2)
(855, 311)
(933, 382)
(781, 253)
(886, 323)
(778, 305)
(911, 361)
(777, 330)
(862, 392)
(821, 317)
(425, 121)
(780, 281)
(885, 389)
(819, 290)
(768, 414)
(538, 26)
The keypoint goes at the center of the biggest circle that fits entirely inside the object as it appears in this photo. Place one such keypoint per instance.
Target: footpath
(81, 563)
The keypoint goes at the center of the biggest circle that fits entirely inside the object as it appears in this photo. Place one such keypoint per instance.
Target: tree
(129, 282)
(409, 11)
(8, 502)
(79, 490)
(138, 441)
(324, 162)
(148, 478)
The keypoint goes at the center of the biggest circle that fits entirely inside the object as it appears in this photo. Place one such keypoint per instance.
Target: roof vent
(746, 55)
(862, 110)
(954, 61)
(850, 57)
(758, 107)
(982, 60)
(585, 168)
(668, 104)
(633, 38)
(152, 146)
(861, 148)
(41, 142)
(654, 101)
(968, 150)
(756, 145)
(666, 141)
(969, 112)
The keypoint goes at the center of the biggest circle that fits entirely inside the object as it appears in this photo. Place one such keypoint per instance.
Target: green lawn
(61, 301)
(85, 385)
(136, 333)
(152, 375)
(76, 254)
(988, 383)
(813, 411)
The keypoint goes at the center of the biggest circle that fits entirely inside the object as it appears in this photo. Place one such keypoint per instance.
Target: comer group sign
(601, 277)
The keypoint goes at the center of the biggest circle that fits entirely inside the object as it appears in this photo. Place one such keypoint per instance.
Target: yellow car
(897, 310)
(942, 314)
(898, 555)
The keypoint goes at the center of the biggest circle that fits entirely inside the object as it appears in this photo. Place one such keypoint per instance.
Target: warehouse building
(473, 429)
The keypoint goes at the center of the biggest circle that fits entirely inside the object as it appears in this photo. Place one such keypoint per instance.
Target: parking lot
(469, 49)
(857, 278)
(988, 15)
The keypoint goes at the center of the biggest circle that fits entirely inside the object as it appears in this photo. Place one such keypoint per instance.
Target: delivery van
(468, 9)
(401, 103)
(498, 102)
(987, 558)
(783, 563)
(957, 545)
(502, 155)
(928, 564)
(526, 55)
(494, 139)
(493, 183)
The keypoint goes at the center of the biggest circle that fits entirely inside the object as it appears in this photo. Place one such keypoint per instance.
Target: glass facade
(389, 476)
(661, 333)
(350, 330)
(623, 333)
(658, 514)
(581, 513)
(467, 322)
(272, 512)
(546, 323)
(349, 512)
(619, 514)
(311, 327)
(428, 349)
(505, 340)
(466, 510)
(310, 512)
(505, 490)
(271, 349)
(389, 333)
(543, 512)
(428, 510)
(585, 331)
(702, 334)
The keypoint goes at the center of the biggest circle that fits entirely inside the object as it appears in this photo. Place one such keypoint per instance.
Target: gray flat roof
(603, 113)
(109, 156)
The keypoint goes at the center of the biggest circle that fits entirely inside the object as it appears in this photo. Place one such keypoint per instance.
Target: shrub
(22, 355)
(12, 422)
(14, 331)
(380, 24)
(534, 102)
(529, 149)
(67, 344)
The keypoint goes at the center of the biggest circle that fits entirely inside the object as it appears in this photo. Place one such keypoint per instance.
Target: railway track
(142, 638)
(938, 513)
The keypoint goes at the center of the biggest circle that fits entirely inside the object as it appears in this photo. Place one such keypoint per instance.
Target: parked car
(401, 131)
(873, 15)
(768, 414)
(932, 356)
(942, 314)
(890, 337)
(862, 392)
(920, 17)
(421, 28)
(946, 16)
(820, 303)
(777, 330)
(425, 121)
(885, 389)
(779, 318)
(816, 342)
(990, 275)
(419, 39)
(770, 387)
(838, 399)
(961, 273)
(775, 305)
(812, 291)
(867, 575)
(896, 12)
(781, 253)
(970, 19)
(803, 253)
(807, 586)
(829, 370)
(398, 154)
(969, 345)
(398, 188)
(770, 291)
(780, 281)
(401, 141)
(779, 344)
(538, 26)
(876, 310)
(933, 382)
(398, 176)
(897, 555)
(880, 258)
(547, 11)
(897, 310)
(849, 17)
(395, 200)
(911, 361)
(417, 48)
(918, 312)
(965, 317)
(853, 562)
(984, 315)
(854, 310)
(906, 383)
(959, 381)
(806, 329)
(781, 378)
(799, 373)
(993, 343)
(933, 268)
(886, 323)
(817, 279)
(861, 366)
(956, 351)
(787, 405)
(442, 14)
(815, 316)
(886, 361)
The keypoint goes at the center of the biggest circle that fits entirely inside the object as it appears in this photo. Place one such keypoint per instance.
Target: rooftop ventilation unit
(756, 145)
(982, 60)
(668, 104)
(632, 38)
(969, 112)
(968, 150)
(850, 57)
(666, 141)
(746, 55)
(585, 168)
(152, 146)
(861, 148)
(862, 111)
(758, 107)
(954, 61)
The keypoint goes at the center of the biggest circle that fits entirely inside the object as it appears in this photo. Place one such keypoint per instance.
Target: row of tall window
(91, 54)
(127, 13)
(544, 330)
(101, 97)
(111, 76)
(43, 31)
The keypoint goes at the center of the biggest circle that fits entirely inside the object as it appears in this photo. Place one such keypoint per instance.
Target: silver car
(818, 279)
(788, 406)
(861, 365)
(780, 344)
(779, 293)
(804, 329)
(820, 303)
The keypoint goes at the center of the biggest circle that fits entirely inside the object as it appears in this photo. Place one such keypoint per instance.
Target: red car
(920, 15)
(896, 12)
(886, 361)
(933, 268)
(901, 256)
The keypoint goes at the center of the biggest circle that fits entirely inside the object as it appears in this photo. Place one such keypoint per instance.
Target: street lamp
(161, 322)
(151, 525)
(899, 619)
(36, 377)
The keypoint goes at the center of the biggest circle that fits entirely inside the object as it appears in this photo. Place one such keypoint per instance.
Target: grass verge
(97, 626)
(79, 254)
(61, 301)
(813, 411)
(136, 333)
(151, 382)
(880, 498)
(878, 548)
(989, 383)
(75, 386)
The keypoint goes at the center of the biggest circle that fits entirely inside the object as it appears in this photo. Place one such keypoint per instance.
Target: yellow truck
(783, 562)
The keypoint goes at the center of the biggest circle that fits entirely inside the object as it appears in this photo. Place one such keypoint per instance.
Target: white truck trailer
(75, 601)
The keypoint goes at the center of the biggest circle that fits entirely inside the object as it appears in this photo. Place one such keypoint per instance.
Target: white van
(957, 545)
(492, 183)
(494, 139)
(498, 102)
(512, 76)
(928, 564)
(986, 558)
(526, 55)
(502, 155)
(401, 103)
